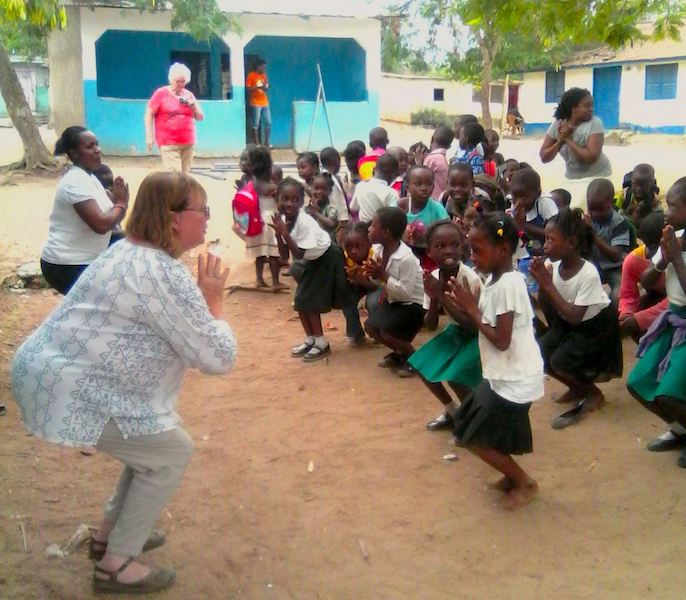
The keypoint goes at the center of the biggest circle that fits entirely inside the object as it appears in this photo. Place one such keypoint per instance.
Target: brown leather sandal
(96, 549)
(157, 580)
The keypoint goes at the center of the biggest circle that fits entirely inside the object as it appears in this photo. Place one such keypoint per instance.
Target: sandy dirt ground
(252, 520)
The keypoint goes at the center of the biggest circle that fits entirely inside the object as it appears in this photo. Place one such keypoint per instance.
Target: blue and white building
(109, 61)
(641, 87)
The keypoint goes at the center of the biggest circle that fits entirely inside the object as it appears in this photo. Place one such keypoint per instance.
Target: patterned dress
(117, 347)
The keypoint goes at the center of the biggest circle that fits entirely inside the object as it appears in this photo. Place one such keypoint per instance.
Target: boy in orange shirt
(256, 85)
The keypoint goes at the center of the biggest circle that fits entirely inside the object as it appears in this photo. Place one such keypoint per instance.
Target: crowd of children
(528, 286)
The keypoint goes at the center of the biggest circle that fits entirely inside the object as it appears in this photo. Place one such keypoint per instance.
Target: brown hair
(160, 195)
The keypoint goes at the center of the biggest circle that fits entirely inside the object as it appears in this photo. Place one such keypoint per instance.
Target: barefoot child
(493, 422)
(453, 355)
(322, 285)
(395, 310)
(658, 381)
(263, 247)
(582, 341)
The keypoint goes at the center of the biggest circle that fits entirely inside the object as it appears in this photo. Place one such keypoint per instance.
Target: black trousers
(61, 277)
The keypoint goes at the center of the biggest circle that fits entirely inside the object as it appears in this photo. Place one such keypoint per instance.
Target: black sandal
(570, 417)
(96, 549)
(157, 580)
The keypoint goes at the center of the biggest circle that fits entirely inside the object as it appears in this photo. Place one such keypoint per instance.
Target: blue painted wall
(119, 78)
(291, 67)
(118, 124)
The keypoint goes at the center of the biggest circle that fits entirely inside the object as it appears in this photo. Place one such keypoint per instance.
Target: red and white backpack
(246, 211)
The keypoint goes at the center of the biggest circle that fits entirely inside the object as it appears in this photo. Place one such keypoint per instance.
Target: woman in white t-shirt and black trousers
(582, 343)
(83, 214)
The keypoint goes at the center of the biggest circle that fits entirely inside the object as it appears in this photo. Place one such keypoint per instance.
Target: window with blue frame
(554, 86)
(661, 81)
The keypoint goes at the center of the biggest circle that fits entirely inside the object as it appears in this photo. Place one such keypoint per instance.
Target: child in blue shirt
(422, 210)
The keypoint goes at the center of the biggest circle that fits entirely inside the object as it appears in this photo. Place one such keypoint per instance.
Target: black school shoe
(316, 353)
(301, 350)
(666, 444)
(442, 421)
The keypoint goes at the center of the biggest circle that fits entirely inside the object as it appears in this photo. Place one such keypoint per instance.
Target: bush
(431, 117)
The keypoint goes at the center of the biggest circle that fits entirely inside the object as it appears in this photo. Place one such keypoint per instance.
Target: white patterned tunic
(117, 347)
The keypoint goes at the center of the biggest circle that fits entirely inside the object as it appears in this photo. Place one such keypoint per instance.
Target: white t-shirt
(372, 195)
(465, 277)
(70, 240)
(337, 198)
(309, 236)
(515, 374)
(584, 289)
(675, 293)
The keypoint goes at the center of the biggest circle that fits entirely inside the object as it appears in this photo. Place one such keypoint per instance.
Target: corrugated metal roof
(305, 8)
(640, 51)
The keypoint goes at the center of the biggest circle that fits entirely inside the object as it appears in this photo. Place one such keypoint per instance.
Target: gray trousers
(153, 467)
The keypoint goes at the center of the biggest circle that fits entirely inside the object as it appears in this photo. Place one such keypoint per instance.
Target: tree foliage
(25, 25)
(397, 54)
(510, 35)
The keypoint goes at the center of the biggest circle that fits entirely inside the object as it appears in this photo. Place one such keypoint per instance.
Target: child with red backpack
(253, 207)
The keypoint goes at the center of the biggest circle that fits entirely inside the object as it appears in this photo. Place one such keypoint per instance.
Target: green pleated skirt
(643, 379)
(453, 355)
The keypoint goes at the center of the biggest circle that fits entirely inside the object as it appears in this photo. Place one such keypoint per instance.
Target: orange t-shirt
(257, 97)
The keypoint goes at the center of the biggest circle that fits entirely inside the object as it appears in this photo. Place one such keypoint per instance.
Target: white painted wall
(636, 110)
(532, 102)
(401, 95)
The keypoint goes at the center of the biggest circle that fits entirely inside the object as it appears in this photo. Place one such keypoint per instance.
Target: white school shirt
(466, 276)
(584, 289)
(117, 348)
(372, 195)
(70, 240)
(309, 236)
(515, 374)
(405, 281)
(675, 293)
(337, 198)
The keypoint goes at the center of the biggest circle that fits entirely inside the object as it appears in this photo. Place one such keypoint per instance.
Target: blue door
(606, 83)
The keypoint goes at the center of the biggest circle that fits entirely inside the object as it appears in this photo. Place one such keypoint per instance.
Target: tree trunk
(36, 155)
(486, 73)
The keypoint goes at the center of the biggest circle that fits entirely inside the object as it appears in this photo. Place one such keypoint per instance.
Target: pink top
(174, 121)
(438, 163)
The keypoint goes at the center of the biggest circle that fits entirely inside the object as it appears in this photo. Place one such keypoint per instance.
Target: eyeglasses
(205, 209)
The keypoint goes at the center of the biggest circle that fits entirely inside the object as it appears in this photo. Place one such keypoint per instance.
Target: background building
(641, 87)
(109, 61)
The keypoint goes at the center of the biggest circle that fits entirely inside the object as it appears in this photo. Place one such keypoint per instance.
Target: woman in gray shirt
(578, 136)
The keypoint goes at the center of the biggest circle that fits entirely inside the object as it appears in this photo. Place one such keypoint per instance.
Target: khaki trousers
(177, 158)
(153, 467)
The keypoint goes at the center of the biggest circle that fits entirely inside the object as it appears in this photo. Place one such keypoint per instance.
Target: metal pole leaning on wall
(321, 99)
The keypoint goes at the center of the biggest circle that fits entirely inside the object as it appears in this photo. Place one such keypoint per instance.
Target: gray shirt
(575, 168)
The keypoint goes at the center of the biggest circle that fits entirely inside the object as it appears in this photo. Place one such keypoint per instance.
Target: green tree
(505, 30)
(397, 55)
(25, 27)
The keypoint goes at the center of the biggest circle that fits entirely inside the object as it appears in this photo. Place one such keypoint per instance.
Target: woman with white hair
(173, 110)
